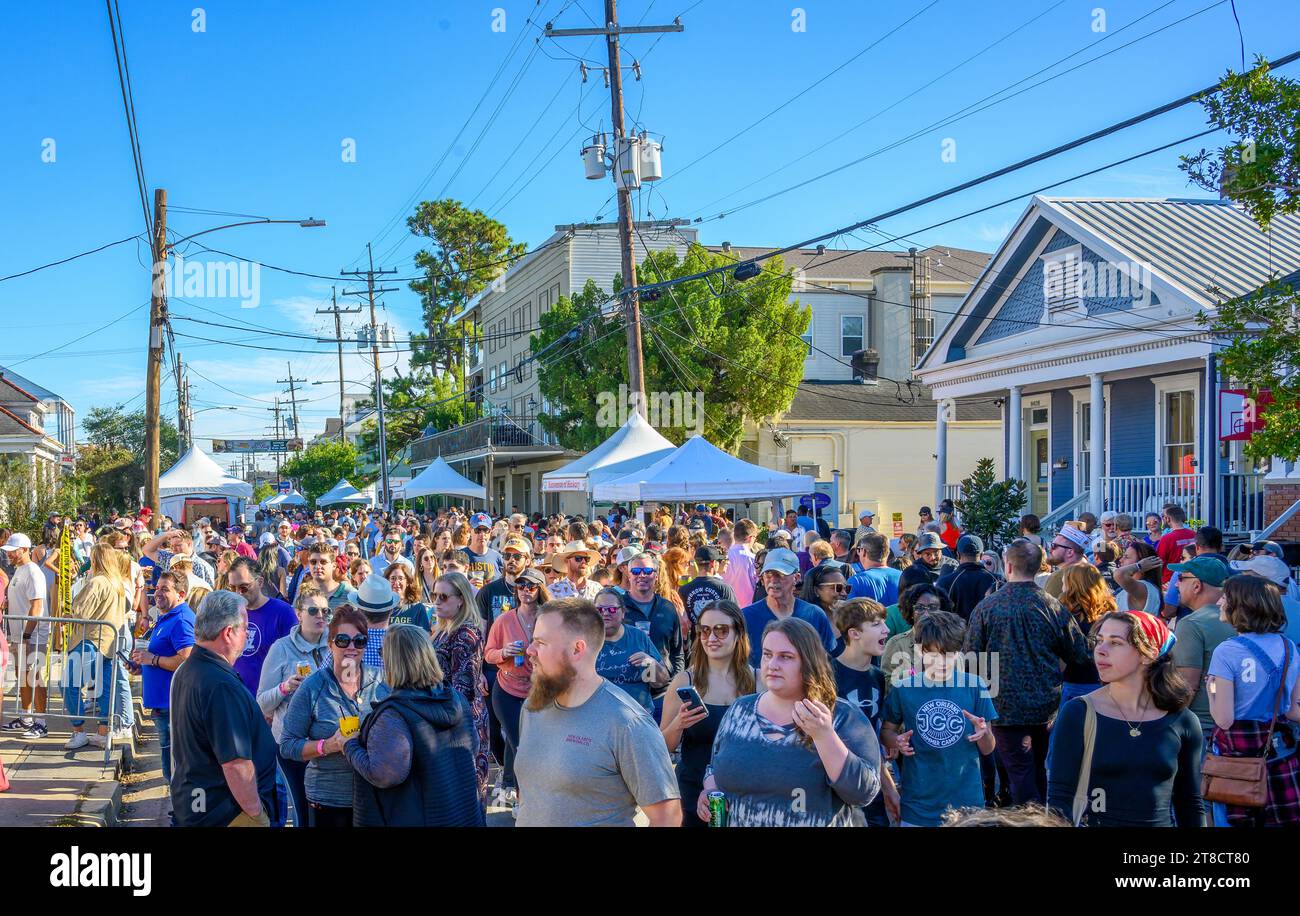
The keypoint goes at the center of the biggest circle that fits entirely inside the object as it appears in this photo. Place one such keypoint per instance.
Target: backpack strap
(1080, 806)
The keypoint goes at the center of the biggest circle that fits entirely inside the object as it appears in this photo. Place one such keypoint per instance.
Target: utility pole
(631, 299)
(374, 353)
(182, 427)
(293, 398)
(276, 410)
(338, 338)
(153, 374)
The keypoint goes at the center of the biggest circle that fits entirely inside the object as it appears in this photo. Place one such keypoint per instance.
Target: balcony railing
(1239, 504)
(503, 432)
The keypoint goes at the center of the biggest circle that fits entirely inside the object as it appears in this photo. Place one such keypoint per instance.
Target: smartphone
(690, 697)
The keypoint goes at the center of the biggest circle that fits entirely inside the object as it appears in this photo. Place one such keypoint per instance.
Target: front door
(1040, 473)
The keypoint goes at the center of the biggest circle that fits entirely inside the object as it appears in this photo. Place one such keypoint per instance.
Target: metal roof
(1195, 244)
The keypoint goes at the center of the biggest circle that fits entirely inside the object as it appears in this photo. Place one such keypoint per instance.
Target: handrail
(1278, 522)
(1063, 512)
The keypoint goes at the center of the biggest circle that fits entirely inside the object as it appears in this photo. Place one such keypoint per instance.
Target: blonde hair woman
(410, 757)
(93, 658)
(458, 640)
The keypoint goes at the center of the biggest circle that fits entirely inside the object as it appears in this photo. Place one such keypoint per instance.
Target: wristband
(320, 748)
(280, 687)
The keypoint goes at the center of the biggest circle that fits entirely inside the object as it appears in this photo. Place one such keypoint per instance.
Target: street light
(158, 323)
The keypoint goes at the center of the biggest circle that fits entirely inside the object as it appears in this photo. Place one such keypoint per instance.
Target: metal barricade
(53, 661)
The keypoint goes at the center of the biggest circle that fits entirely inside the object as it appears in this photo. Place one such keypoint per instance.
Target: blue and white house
(1084, 325)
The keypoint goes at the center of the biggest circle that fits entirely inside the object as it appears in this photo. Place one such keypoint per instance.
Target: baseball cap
(925, 510)
(700, 507)
(780, 560)
(531, 575)
(1267, 566)
(17, 541)
(266, 540)
(708, 553)
(929, 540)
(627, 553)
(781, 533)
(1209, 570)
(867, 512)
(1075, 536)
(480, 520)
(970, 545)
(517, 543)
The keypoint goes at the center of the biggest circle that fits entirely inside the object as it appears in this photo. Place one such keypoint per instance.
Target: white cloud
(988, 232)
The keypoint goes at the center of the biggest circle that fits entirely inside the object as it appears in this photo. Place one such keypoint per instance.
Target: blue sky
(251, 116)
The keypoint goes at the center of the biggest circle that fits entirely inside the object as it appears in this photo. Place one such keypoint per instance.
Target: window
(492, 379)
(807, 337)
(1038, 416)
(1179, 432)
(851, 334)
(503, 375)
(1085, 444)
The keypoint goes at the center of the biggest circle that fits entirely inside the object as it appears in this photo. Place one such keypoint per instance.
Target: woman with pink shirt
(507, 641)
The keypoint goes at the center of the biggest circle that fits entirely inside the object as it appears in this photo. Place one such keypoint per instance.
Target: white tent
(343, 493)
(197, 477)
(699, 470)
(438, 479)
(293, 498)
(634, 446)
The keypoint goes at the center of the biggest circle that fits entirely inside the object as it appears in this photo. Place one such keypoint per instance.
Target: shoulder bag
(1243, 781)
(1080, 806)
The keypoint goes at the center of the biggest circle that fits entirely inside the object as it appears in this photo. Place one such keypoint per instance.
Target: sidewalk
(52, 787)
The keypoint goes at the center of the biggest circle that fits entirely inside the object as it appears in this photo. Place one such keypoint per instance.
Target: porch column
(1210, 457)
(1097, 446)
(941, 451)
(1015, 440)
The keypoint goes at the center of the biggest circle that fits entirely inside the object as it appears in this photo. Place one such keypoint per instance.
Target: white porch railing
(1240, 504)
(1137, 496)
(952, 491)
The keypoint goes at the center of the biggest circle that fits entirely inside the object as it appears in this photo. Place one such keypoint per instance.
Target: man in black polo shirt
(223, 753)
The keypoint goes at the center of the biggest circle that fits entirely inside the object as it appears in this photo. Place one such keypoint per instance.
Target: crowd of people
(361, 667)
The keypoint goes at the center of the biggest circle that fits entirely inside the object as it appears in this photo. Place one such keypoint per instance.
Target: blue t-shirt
(806, 523)
(945, 770)
(613, 665)
(272, 621)
(758, 615)
(173, 631)
(485, 565)
(879, 584)
(1233, 661)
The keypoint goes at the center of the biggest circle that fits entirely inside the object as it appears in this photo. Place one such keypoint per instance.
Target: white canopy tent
(438, 479)
(633, 447)
(343, 493)
(196, 478)
(699, 470)
(293, 498)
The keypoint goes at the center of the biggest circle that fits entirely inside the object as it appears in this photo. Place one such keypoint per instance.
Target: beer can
(304, 669)
(717, 809)
(519, 659)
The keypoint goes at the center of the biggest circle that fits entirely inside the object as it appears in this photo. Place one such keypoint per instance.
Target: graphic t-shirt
(272, 621)
(863, 689)
(613, 665)
(945, 770)
(700, 591)
(481, 568)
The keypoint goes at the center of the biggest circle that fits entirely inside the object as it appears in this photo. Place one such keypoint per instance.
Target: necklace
(1133, 730)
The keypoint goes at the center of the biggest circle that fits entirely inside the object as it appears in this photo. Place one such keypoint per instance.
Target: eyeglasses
(512, 555)
(1056, 544)
(643, 570)
(927, 605)
(354, 553)
(343, 640)
(319, 612)
(440, 597)
(721, 631)
(840, 587)
(607, 610)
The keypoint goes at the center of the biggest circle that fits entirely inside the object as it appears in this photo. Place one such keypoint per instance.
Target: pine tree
(991, 508)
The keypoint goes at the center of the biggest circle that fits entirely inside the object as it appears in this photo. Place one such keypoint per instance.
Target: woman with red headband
(1126, 753)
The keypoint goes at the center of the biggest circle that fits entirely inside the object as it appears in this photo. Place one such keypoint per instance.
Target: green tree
(30, 493)
(413, 403)
(1259, 169)
(263, 491)
(734, 343)
(109, 476)
(321, 466)
(466, 253)
(113, 428)
(990, 507)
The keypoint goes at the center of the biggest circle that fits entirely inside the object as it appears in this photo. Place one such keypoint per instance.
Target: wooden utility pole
(276, 410)
(293, 399)
(338, 338)
(374, 352)
(153, 375)
(631, 300)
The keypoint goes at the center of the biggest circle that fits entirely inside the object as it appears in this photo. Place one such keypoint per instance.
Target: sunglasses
(512, 555)
(442, 596)
(239, 589)
(526, 586)
(721, 631)
(391, 541)
(840, 587)
(608, 610)
(643, 571)
(343, 640)
(581, 559)
(319, 612)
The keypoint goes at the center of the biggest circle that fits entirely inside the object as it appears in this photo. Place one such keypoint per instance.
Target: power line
(960, 114)
(71, 258)
(128, 105)
(102, 327)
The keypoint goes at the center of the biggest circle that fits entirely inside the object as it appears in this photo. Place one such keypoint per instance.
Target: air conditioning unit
(812, 470)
